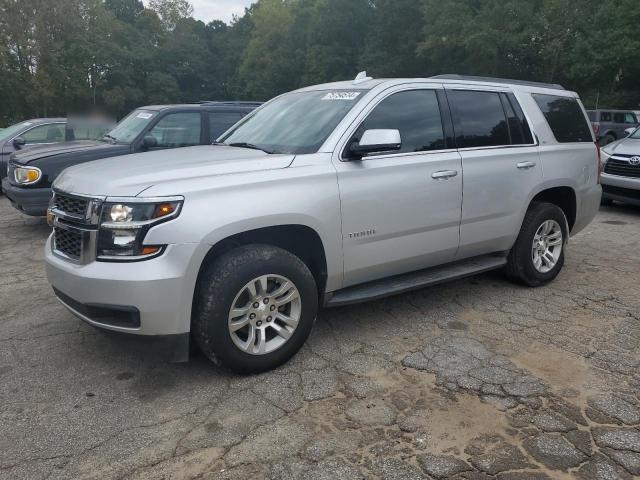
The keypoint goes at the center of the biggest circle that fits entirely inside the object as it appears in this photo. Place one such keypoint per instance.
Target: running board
(411, 281)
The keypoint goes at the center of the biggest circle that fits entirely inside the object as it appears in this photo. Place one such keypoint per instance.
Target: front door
(401, 210)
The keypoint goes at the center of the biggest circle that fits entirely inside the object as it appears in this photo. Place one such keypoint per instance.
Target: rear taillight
(596, 128)
(599, 160)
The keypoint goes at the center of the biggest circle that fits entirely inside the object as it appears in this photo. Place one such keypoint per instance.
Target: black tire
(217, 288)
(607, 139)
(520, 266)
(606, 202)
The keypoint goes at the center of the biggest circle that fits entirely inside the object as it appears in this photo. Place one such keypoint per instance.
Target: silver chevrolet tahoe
(325, 196)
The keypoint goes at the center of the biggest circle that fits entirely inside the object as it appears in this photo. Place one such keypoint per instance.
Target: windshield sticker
(144, 115)
(341, 96)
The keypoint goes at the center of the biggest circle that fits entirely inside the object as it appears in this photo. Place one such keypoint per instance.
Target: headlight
(604, 156)
(123, 227)
(26, 175)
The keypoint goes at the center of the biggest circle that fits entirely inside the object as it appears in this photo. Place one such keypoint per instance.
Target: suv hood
(129, 175)
(626, 146)
(69, 149)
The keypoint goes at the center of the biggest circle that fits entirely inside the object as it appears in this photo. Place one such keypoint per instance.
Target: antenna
(361, 78)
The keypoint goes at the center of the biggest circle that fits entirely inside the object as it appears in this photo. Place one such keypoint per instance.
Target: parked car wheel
(254, 308)
(538, 254)
(607, 139)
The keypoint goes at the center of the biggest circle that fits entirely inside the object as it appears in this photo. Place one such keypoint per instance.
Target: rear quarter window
(565, 117)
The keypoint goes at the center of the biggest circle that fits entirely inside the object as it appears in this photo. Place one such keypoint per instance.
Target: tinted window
(221, 122)
(618, 117)
(178, 130)
(518, 127)
(45, 134)
(565, 118)
(479, 118)
(605, 116)
(415, 114)
(593, 116)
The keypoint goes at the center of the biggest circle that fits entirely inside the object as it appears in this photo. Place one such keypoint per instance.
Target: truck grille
(68, 242)
(74, 206)
(622, 168)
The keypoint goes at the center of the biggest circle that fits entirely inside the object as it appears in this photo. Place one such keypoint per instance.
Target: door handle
(444, 174)
(526, 165)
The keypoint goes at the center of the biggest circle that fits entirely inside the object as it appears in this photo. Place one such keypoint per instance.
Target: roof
(370, 83)
(205, 103)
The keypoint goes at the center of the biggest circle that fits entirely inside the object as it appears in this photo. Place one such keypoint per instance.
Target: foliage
(60, 56)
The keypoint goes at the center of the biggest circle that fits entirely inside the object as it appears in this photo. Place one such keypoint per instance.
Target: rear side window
(479, 118)
(221, 122)
(415, 113)
(565, 118)
(518, 127)
(605, 116)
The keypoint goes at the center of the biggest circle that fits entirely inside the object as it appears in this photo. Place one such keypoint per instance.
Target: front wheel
(254, 308)
(538, 254)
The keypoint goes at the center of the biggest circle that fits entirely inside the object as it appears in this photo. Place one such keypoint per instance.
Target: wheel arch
(301, 240)
(564, 197)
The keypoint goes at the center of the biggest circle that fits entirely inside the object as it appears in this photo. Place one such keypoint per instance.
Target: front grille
(621, 192)
(622, 168)
(74, 206)
(68, 242)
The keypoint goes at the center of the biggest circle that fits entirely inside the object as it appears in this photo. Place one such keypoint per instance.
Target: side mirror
(19, 142)
(376, 141)
(149, 141)
(629, 131)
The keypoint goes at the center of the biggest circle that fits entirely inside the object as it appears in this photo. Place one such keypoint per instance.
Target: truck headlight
(123, 227)
(26, 175)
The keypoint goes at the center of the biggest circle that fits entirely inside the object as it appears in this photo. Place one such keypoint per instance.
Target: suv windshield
(130, 126)
(295, 123)
(9, 132)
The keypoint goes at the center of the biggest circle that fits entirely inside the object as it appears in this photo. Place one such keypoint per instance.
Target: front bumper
(32, 201)
(622, 189)
(147, 298)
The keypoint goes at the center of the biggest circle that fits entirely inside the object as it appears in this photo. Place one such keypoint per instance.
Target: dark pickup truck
(31, 172)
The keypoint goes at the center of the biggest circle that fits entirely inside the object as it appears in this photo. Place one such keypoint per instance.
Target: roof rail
(472, 78)
(228, 102)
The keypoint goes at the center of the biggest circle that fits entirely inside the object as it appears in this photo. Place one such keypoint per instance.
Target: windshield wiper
(249, 145)
(106, 135)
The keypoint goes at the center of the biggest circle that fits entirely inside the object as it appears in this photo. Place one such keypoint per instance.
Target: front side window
(565, 118)
(131, 126)
(415, 114)
(295, 123)
(479, 118)
(630, 118)
(178, 130)
(51, 133)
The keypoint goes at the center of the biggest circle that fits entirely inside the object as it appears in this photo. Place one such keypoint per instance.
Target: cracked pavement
(476, 379)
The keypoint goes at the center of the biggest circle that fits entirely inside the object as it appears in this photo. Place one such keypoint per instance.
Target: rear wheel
(538, 254)
(254, 308)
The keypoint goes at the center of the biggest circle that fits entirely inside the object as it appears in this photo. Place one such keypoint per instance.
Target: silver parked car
(610, 125)
(325, 196)
(621, 175)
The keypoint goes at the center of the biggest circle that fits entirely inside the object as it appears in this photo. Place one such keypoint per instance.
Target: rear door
(400, 210)
(500, 164)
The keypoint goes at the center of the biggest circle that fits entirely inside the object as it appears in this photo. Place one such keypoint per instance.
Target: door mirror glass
(377, 141)
(149, 141)
(19, 142)
(629, 131)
